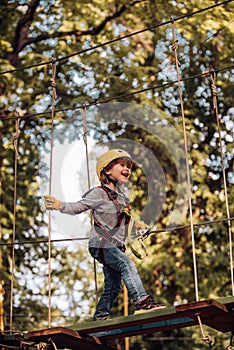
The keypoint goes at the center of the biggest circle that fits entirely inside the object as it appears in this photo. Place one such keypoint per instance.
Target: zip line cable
(189, 15)
(99, 102)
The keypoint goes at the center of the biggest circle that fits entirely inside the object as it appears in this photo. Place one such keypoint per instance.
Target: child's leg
(112, 285)
(123, 265)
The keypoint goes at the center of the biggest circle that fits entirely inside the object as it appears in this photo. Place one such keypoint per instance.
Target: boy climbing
(111, 219)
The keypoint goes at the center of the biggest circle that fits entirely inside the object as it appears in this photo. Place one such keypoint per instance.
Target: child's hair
(104, 178)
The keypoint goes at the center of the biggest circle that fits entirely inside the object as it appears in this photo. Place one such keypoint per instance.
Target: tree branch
(21, 33)
(22, 38)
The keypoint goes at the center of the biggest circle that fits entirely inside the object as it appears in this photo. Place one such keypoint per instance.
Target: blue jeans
(118, 266)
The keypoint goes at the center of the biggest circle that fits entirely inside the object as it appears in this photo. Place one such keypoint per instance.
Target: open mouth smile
(126, 175)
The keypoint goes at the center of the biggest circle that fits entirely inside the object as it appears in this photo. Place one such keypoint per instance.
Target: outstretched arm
(52, 203)
(92, 201)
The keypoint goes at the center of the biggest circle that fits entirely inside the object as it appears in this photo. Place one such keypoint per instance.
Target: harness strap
(121, 214)
(107, 236)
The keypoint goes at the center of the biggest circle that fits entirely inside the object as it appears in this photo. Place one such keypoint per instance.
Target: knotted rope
(16, 136)
(54, 96)
(85, 132)
(174, 46)
(215, 104)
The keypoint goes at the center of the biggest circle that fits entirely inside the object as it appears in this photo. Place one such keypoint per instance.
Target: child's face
(121, 171)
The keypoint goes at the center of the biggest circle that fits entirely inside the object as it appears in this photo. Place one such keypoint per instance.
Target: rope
(85, 132)
(206, 338)
(16, 139)
(118, 97)
(215, 105)
(53, 343)
(17, 135)
(1, 264)
(189, 15)
(54, 96)
(186, 159)
(231, 342)
(4, 346)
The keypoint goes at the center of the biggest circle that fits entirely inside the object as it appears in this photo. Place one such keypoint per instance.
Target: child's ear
(107, 172)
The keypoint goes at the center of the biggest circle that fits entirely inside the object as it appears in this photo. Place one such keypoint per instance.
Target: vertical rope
(1, 281)
(215, 105)
(125, 298)
(85, 131)
(1, 303)
(16, 139)
(186, 158)
(54, 96)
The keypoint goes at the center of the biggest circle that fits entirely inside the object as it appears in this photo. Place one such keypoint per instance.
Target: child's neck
(113, 186)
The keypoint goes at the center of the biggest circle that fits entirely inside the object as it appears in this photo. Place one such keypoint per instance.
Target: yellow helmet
(108, 156)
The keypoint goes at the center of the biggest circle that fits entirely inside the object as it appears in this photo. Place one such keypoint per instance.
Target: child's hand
(52, 203)
(142, 229)
(141, 225)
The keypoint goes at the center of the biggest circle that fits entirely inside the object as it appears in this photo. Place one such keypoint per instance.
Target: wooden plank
(218, 314)
(67, 338)
(144, 323)
(227, 301)
(57, 337)
(212, 313)
(12, 339)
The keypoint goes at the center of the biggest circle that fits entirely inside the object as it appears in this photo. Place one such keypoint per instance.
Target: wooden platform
(57, 337)
(217, 314)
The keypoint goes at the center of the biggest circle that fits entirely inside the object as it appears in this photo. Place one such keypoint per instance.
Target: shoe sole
(141, 311)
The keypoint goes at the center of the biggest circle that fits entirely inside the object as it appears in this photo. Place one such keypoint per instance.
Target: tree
(36, 30)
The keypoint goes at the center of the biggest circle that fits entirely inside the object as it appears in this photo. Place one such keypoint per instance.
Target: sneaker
(148, 304)
(104, 318)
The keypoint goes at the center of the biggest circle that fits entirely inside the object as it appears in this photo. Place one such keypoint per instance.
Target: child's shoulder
(97, 190)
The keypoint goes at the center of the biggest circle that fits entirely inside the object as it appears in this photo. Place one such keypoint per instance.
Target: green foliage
(34, 31)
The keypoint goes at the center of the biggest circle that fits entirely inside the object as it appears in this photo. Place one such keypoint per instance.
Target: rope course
(197, 315)
(121, 38)
(119, 97)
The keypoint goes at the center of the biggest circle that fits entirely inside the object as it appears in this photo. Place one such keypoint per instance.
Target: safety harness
(107, 236)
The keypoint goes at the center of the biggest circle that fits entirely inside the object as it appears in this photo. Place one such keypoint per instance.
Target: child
(111, 217)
